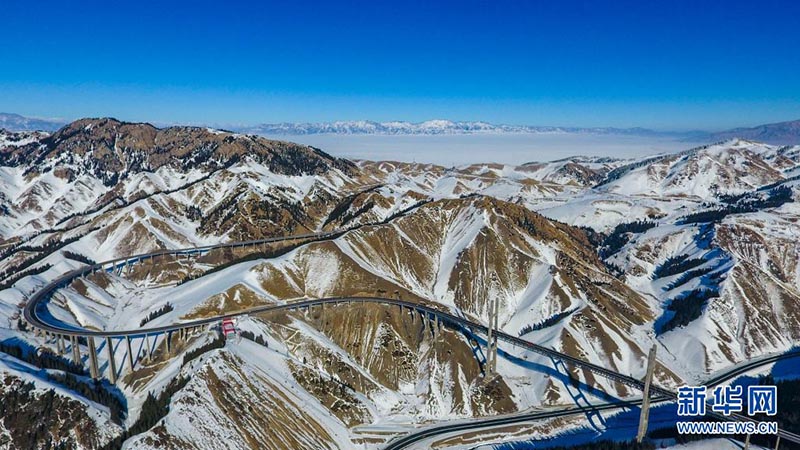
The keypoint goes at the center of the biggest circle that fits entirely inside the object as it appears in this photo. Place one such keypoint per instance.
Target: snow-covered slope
(597, 257)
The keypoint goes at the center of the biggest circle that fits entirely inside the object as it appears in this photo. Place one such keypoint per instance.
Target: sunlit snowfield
(451, 150)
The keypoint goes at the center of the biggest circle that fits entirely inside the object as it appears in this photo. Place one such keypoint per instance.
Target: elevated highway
(35, 315)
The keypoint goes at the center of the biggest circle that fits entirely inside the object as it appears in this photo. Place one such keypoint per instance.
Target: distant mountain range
(782, 133)
(434, 127)
(16, 122)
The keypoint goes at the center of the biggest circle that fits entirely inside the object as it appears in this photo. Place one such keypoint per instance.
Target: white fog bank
(449, 150)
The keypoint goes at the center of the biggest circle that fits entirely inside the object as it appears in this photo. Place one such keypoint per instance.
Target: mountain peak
(108, 149)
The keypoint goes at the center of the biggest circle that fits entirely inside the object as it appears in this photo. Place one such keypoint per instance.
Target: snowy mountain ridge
(432, 127)
(781, 133)
(695, 252)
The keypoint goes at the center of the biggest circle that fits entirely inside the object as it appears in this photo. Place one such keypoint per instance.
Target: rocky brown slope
(457, 238)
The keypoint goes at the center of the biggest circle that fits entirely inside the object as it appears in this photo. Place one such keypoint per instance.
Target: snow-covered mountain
(432, 127)
(781, 133)
(600, 258)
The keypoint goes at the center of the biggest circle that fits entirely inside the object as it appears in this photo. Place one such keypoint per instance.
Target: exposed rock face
(245, 407)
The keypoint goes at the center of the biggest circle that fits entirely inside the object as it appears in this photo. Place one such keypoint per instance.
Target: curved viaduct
(36, 305)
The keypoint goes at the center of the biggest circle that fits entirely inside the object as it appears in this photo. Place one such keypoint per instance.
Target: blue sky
(658, 64)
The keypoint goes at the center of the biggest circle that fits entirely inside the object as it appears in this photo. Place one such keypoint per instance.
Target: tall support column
(130, 352)
(778, 442)
(76, 350)
(490, 336)
(112, 363)
(92, 358)
(747, 442)
(147, 350)
(644, 416)
(494, 309)
(60, 344)
(496, 325)
(167, 343)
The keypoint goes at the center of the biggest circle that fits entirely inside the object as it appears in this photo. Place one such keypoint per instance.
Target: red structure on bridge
(228, 326)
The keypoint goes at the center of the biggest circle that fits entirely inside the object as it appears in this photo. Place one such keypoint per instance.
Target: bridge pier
(644, 415)
(130, 352)
(112, 363)
(147, 351)
(167, 343)
(92, 358)
(76, 350)
(491, 342)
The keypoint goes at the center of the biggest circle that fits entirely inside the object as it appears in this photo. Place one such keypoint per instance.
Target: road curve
(412, 438)
(36, 304)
